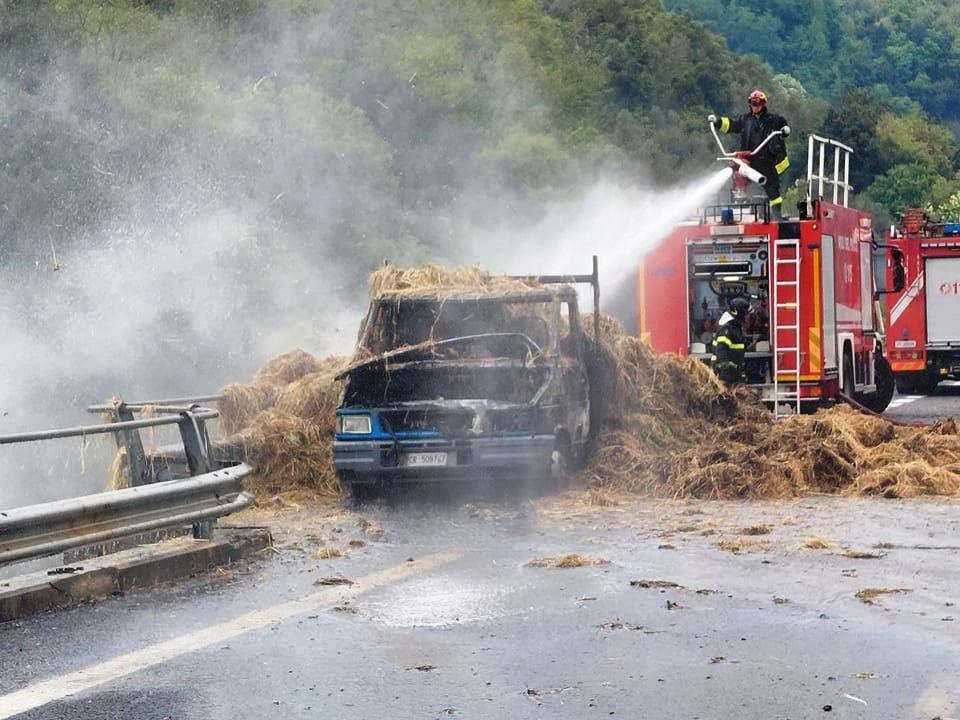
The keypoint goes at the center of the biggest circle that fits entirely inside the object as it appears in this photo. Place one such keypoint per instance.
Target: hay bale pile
(669, 426)
(437, 281)
(678, 432)
(284, 422)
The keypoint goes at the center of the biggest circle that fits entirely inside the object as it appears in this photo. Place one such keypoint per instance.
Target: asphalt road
(757, 626)
(945, 402)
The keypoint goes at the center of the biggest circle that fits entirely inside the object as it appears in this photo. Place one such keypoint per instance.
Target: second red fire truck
(923, 306)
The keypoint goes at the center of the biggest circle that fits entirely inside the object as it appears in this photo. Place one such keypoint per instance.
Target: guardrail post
(136, 457)
(196, 444)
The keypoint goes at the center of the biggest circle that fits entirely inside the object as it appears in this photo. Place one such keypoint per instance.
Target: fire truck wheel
(906, 386)
(928, 385)
(849, 382)
(879, 400)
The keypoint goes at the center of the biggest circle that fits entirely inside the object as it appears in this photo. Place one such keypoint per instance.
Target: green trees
(905, 186)
(904, 53)
(903, 58)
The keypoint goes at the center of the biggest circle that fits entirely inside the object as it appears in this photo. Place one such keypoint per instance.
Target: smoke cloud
(165, 229)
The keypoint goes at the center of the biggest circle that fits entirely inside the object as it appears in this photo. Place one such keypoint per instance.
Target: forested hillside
(375, 123)
(114, 110)
(889, 69)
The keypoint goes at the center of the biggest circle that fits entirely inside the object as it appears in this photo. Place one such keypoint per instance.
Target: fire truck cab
(923, 306)
(812, 332)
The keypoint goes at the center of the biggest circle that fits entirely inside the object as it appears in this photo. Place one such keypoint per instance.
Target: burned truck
(461, 383)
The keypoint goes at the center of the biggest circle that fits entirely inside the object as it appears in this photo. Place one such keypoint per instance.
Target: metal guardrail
(180, 402)
(39, 530)
(85, 430)
(205, 494)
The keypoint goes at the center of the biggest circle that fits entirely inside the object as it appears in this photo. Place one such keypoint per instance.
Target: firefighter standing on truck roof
(754, 127)
(728, 346)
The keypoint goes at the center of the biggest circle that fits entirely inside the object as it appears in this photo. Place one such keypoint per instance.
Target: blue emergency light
(951, 230)
(726, 216)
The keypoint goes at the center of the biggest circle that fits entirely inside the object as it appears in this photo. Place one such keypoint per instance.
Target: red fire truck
(923, 306)
(812, 332)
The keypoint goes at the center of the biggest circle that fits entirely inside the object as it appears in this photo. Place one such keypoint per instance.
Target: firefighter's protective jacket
(753, 130)
(729, 349)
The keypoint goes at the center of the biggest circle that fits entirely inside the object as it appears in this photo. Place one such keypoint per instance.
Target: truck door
(943, 300)
(829, 304)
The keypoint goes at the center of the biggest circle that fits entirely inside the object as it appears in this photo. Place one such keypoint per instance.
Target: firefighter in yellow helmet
(729, 345)
(754, 127)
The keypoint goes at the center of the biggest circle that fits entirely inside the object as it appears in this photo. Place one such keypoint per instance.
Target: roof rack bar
(591, 279)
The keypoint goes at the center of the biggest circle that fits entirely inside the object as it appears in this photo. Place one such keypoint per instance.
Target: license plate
(437, 459)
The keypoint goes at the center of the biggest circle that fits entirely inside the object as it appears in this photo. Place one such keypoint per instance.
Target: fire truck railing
(837, 174)
(736, 213)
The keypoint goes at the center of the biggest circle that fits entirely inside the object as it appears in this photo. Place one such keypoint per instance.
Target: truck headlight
(353, 424)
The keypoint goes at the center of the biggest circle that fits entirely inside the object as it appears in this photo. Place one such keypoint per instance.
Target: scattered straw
(599, 498)
(757, 530)
(370, 527)
(333, 580)
(621, 625)
(650, 584)
(328, 553)
(676, 431)
(689, 527)
(570, 560)
(816, 543)
(119, 472)
(871, 596)
(736, 545)
(435, 281)
(861, 555)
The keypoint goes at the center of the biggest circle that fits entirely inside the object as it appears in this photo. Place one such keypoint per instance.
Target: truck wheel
(362, 492)
(928, 385)
(878, 401)
(561, 463)
(905, 385)
(849, 381)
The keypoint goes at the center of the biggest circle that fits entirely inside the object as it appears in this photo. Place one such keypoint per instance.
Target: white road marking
(47, 691)
(901, 400)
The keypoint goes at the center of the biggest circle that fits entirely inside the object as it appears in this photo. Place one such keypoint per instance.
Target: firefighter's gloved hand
(712, 119)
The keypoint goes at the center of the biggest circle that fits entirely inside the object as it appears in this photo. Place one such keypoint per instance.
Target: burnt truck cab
(465, 384)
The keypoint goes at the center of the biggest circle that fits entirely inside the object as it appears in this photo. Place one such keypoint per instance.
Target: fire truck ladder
(786, 325)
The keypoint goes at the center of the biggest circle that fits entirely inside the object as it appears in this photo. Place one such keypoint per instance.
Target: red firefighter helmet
(757, 97)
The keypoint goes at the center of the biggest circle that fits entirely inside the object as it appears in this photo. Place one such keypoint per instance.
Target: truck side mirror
(899, 272)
